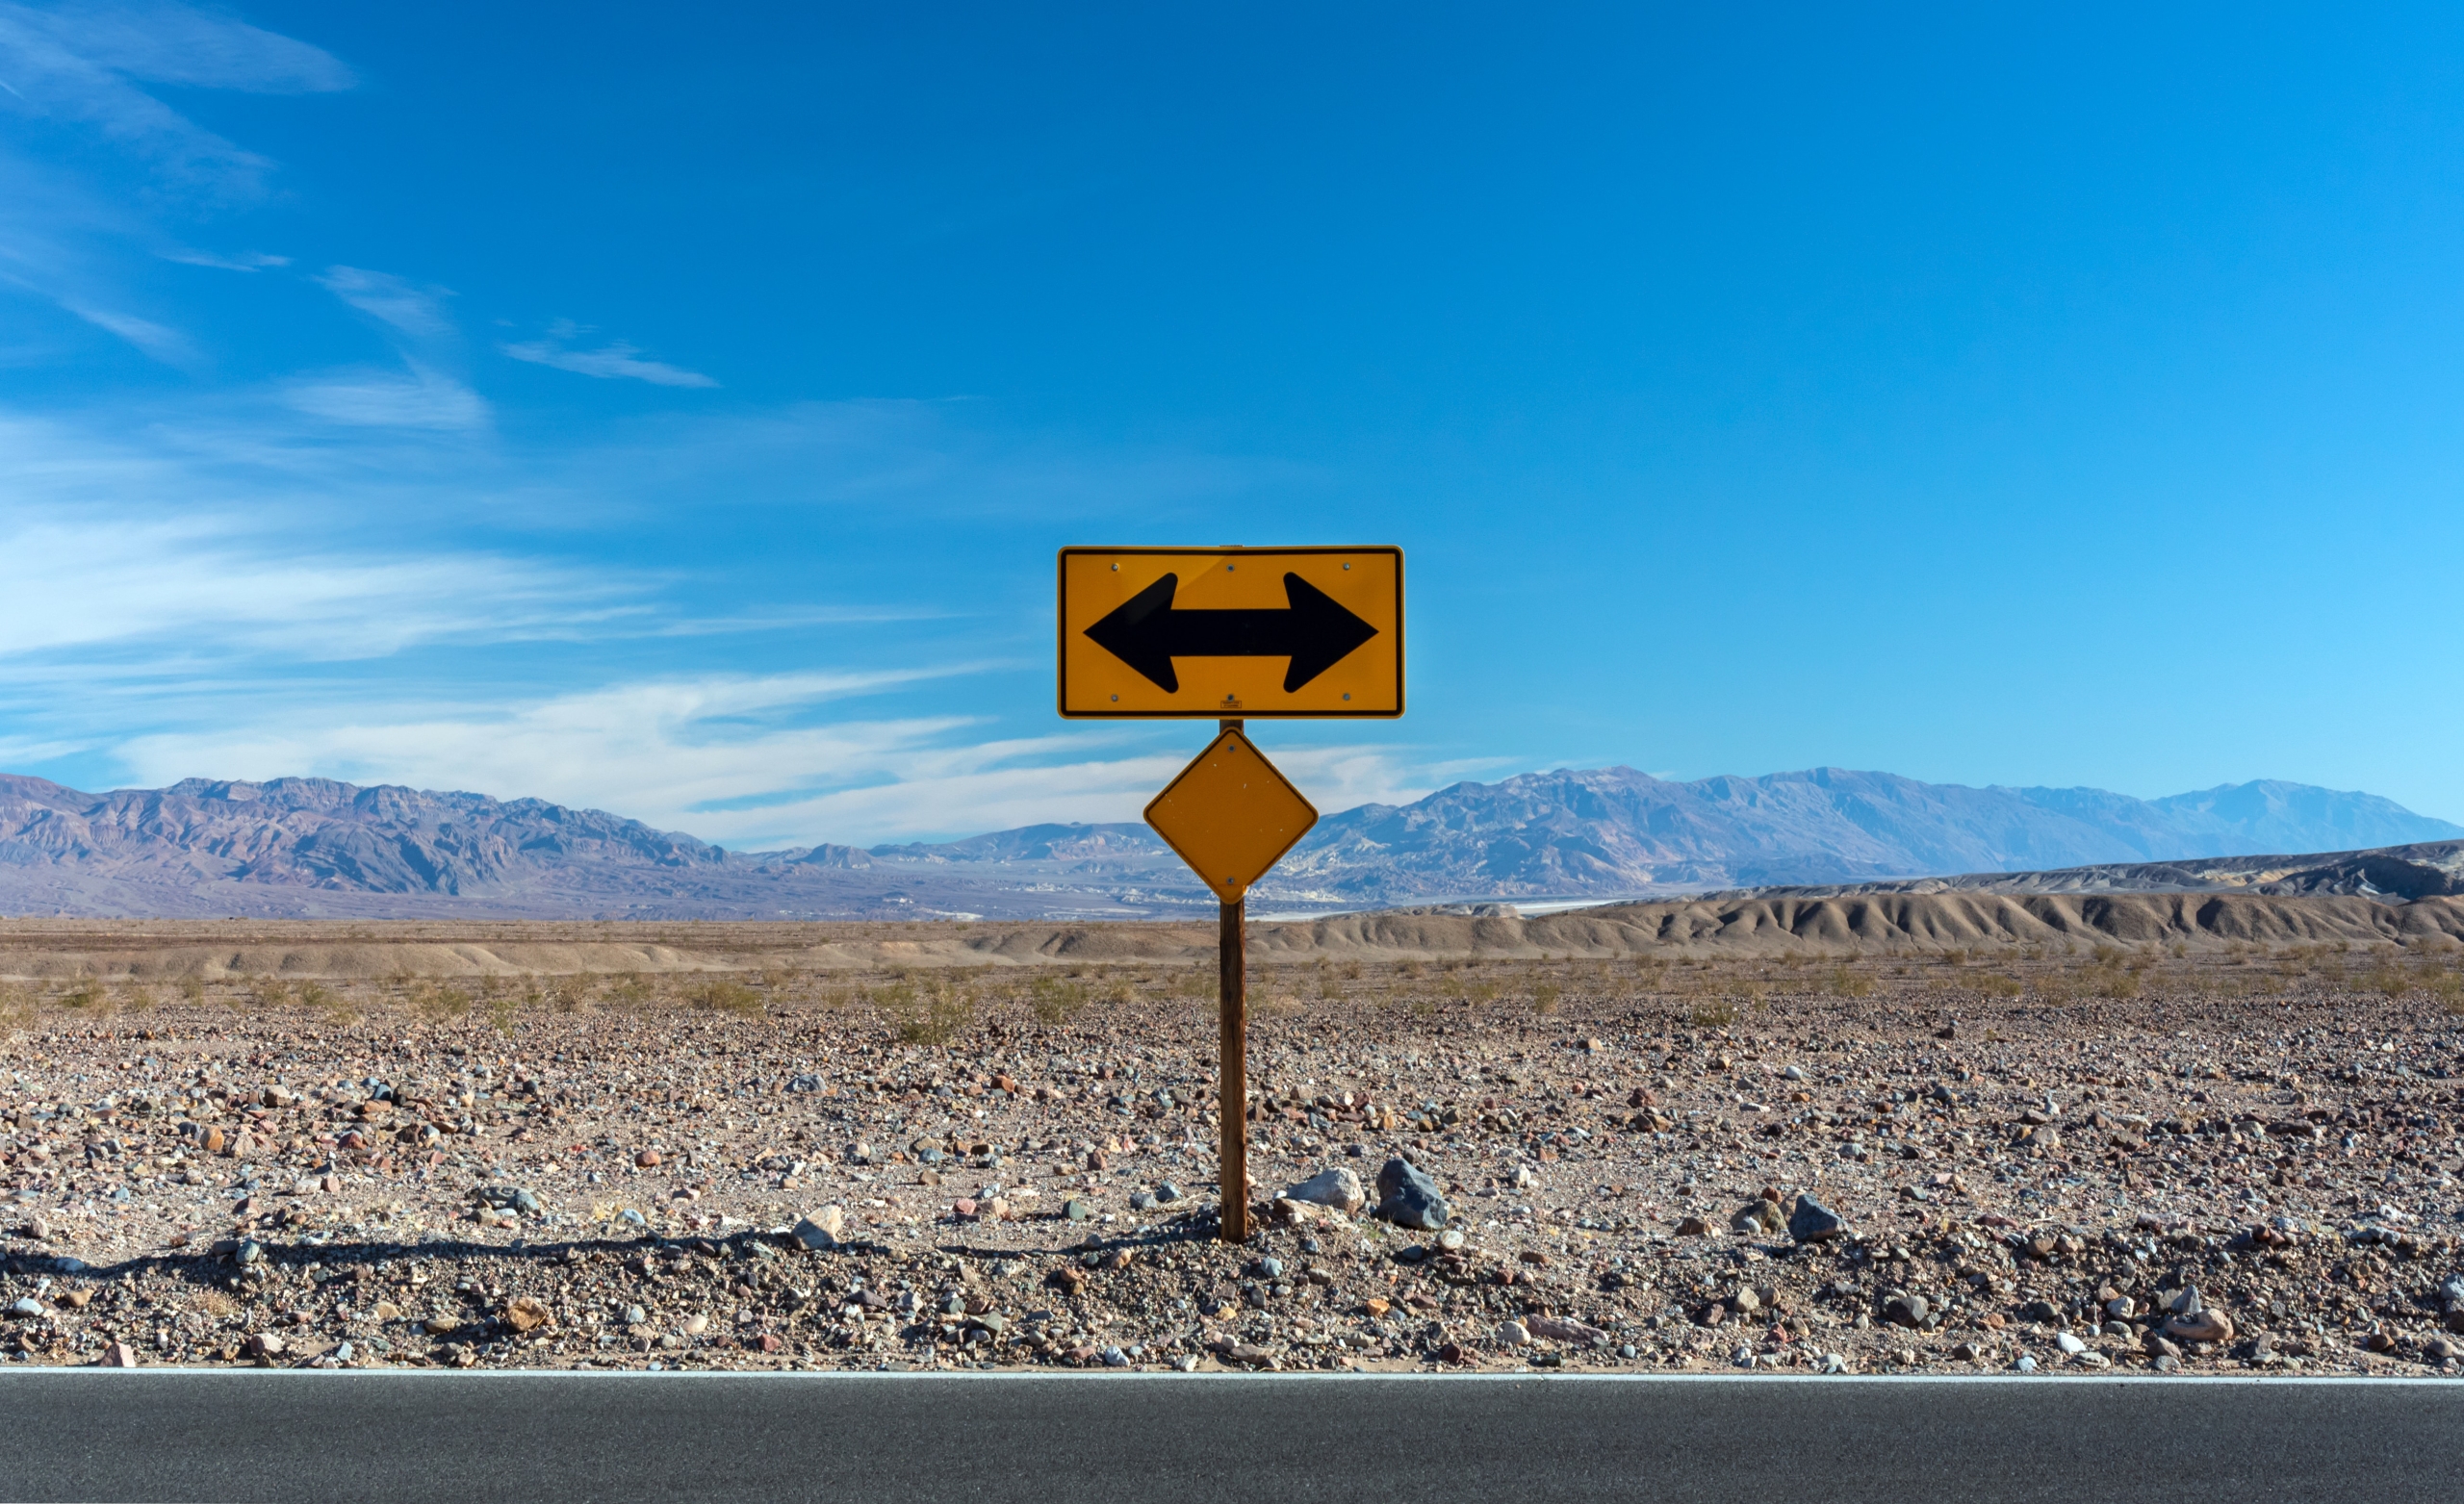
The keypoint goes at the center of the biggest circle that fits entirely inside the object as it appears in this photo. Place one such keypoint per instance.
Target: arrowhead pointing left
(1135, 632)
(1324, 632)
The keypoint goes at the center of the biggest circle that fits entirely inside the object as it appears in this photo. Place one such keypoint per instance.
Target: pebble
(2025, 1364)
(1513, 1334)
(1759, 1217)
(25, 1308)
(1560, 1329)
(1337, 1188)
(1141, 1201)
(2202, 1326)
(2068, 1343)
(1165, 1193)
(821, 1229)
(1076, 1209)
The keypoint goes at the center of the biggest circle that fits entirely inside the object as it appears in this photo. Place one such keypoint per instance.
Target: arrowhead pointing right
(1324, 631)
(1134, 633)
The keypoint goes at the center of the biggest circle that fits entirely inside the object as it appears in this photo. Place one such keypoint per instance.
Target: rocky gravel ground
(2126, 1161)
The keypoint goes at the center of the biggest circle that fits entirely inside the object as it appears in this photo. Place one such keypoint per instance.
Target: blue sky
(676, 413)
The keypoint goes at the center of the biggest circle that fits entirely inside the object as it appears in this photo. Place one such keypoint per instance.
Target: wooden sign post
(1138, 640)
(1232, 1011)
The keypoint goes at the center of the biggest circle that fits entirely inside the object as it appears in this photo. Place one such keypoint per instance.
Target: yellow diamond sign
(1231, 815)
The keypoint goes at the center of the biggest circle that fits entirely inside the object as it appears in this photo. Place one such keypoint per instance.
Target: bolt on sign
(1232, 633)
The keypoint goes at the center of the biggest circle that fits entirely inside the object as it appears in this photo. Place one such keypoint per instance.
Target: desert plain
(2211, 1136)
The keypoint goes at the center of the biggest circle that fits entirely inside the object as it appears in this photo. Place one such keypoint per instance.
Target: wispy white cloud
(244, 261)
(418, 397)
(185, 44)
(615, 359)
(89, 68)
(85, 64)
(413, 311)
(160, 341)
(141, 548)
(660, 750)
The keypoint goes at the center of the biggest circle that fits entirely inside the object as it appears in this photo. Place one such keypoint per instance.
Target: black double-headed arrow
(1316, 632)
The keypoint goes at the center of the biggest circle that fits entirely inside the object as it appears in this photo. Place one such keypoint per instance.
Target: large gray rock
(1407, 1197)
(1813, 1222)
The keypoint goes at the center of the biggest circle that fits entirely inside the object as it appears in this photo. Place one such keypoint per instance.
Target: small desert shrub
(2387, 979)
(1994, 984)
(722, 996)
(1544, 998)
(192, 988)
(629, 990)
(1055, 1000)
(2446, 987)
(439, 1004)
(1717, 1014)
(2118, 984)
(1483, 991)
(1842, 983)
(1281, 1004)
(86, 994)
(935, 1014)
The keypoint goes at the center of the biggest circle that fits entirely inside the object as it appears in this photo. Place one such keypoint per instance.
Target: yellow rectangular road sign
(1231, 814)
(1233, 633)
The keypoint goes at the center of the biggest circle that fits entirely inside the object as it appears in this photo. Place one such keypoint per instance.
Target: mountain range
(317, 848)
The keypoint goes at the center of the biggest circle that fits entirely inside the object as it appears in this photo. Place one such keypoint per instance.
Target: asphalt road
(324, 1436)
